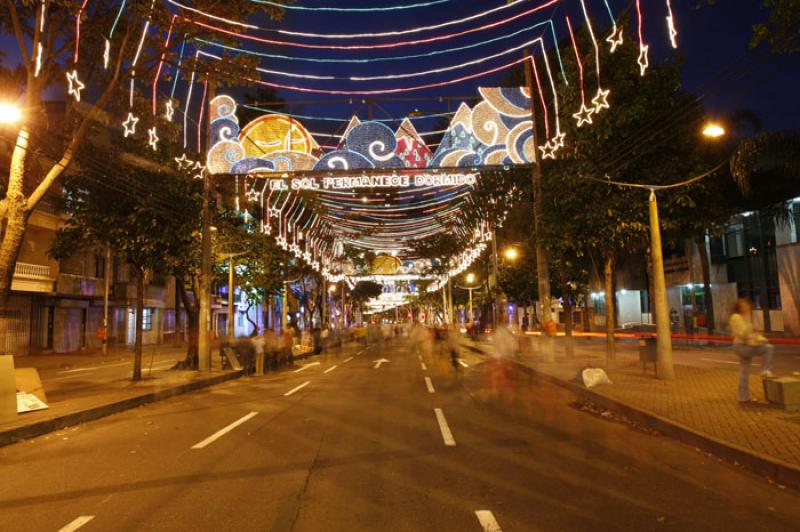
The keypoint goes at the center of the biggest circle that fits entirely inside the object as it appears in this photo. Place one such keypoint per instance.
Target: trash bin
(648, 353)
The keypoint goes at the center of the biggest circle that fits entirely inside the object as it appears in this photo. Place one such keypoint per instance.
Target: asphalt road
(344, 445)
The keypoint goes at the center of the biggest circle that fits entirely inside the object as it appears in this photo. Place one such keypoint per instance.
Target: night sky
(710, 39)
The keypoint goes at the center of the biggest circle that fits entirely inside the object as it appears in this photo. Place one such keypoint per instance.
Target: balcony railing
(32, 271)
(77, 285)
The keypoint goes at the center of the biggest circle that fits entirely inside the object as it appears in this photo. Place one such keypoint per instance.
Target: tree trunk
(176, 341)
(708, 299)
(254, 332)
(193, 329)
(137, 346)
(608, 282)
(568, 324)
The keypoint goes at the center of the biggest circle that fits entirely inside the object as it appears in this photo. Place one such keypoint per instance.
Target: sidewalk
(83, 387)
(699, 407)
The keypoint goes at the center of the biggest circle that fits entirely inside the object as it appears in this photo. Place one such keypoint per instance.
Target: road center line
(487, 520)
(222, 432)
(447, 436)
(77, 523)
(306, 367)
(346, 360)
(460, 361)
(330, 369)
(290, 392)
(424, 367)
(429, 385)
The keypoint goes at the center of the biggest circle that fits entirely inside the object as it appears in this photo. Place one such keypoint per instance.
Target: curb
(779, 471)
(51, 425)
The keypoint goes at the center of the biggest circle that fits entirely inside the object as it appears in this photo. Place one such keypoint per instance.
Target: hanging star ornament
(615, 39)
(558, 140)
(548, 150)
(600, 100)
(152, 138)
(183, 162)
(170, 112)
(584, 116)
(130, 124)
(252, 194)
(643, 61)
(673, 33)
(75, 85)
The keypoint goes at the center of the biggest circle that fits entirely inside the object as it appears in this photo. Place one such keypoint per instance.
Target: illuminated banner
(496, 131)
(379, 181)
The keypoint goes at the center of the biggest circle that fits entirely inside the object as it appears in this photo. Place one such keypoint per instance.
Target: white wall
(788, 258)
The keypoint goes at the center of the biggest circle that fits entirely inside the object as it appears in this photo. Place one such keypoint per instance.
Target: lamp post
(231, 325)
(10, 113)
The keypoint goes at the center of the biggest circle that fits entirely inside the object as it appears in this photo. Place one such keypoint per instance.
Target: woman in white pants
(748, 344)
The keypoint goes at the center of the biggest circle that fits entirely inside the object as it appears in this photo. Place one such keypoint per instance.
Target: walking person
(748, 344)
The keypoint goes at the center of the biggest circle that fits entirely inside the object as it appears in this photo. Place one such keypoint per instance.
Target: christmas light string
(643, 48)
(342, 120)
(673, 32)
(38, 39)
(615, 37)
(200, 119)
(584, 115)
(161, 63)
(78, 31)
(293, 7)
(398, 44)
(558, 140)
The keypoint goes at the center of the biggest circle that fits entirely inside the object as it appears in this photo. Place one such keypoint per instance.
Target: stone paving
(701, 398)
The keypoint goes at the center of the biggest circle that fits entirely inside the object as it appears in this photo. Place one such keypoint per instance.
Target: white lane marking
(725, 361)
(93, 368)
(447, 436)
(77, 523)
(379, 362)
(222, 432)
(306, 366)
(424, 367)
(290, 392)
(429, 385)
(346, 360)
(460, 361)
(331, 369)
(487, 520)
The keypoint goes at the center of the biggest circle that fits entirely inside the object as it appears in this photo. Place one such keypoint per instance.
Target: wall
(788, 257)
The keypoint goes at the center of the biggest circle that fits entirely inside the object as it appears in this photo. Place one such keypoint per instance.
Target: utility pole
(495, 292)
(106, 288)
(542, 267)
(231, 324)
(203, 340)
(663, 338)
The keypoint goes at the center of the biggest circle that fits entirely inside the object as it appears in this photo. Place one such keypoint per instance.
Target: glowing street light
(9, 113)
(470, 278)
(713, 130)
(511, 253)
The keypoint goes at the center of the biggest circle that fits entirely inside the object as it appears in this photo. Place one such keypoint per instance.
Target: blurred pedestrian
(748, 344)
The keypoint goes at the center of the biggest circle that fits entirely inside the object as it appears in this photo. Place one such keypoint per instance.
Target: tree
(51, 48)
(646, 137)
(150, 227)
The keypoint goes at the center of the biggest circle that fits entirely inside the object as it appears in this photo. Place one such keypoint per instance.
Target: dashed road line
(331, 369)
(306, 366)
(447, 436)
(346, 360)
(77, 523)
(293, 390)
(424, 367)
(487, 520)
(460, 361)
(429, 385)
(222, 432)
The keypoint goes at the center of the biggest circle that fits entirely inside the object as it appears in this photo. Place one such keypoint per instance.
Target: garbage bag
(594, 376)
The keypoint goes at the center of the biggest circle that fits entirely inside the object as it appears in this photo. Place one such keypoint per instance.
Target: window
(147, 319)
(100, 267)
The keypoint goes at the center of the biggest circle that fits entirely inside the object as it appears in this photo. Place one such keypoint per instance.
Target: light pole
(470, 279)
(10, 113)
(231, 324)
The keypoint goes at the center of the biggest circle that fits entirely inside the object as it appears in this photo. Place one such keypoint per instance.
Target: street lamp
(713, 130)
(511, 253)
(9, 113)
(470, 278)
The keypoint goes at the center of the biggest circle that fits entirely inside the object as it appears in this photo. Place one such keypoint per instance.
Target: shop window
(147, 319)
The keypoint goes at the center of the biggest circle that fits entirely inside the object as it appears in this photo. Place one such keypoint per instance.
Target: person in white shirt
(748, 344)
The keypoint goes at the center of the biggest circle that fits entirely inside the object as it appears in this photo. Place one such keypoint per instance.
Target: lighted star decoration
(183, 162)
(673, 33)
(584, 116)
(600, 100)
(75, 85)
(130, 124)
(252, 194)
(615, 39)
(152, 138)
(307, 256)
(198, 166)
(548, 150)
(643, 61)
(170, 112)
(281, 241)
